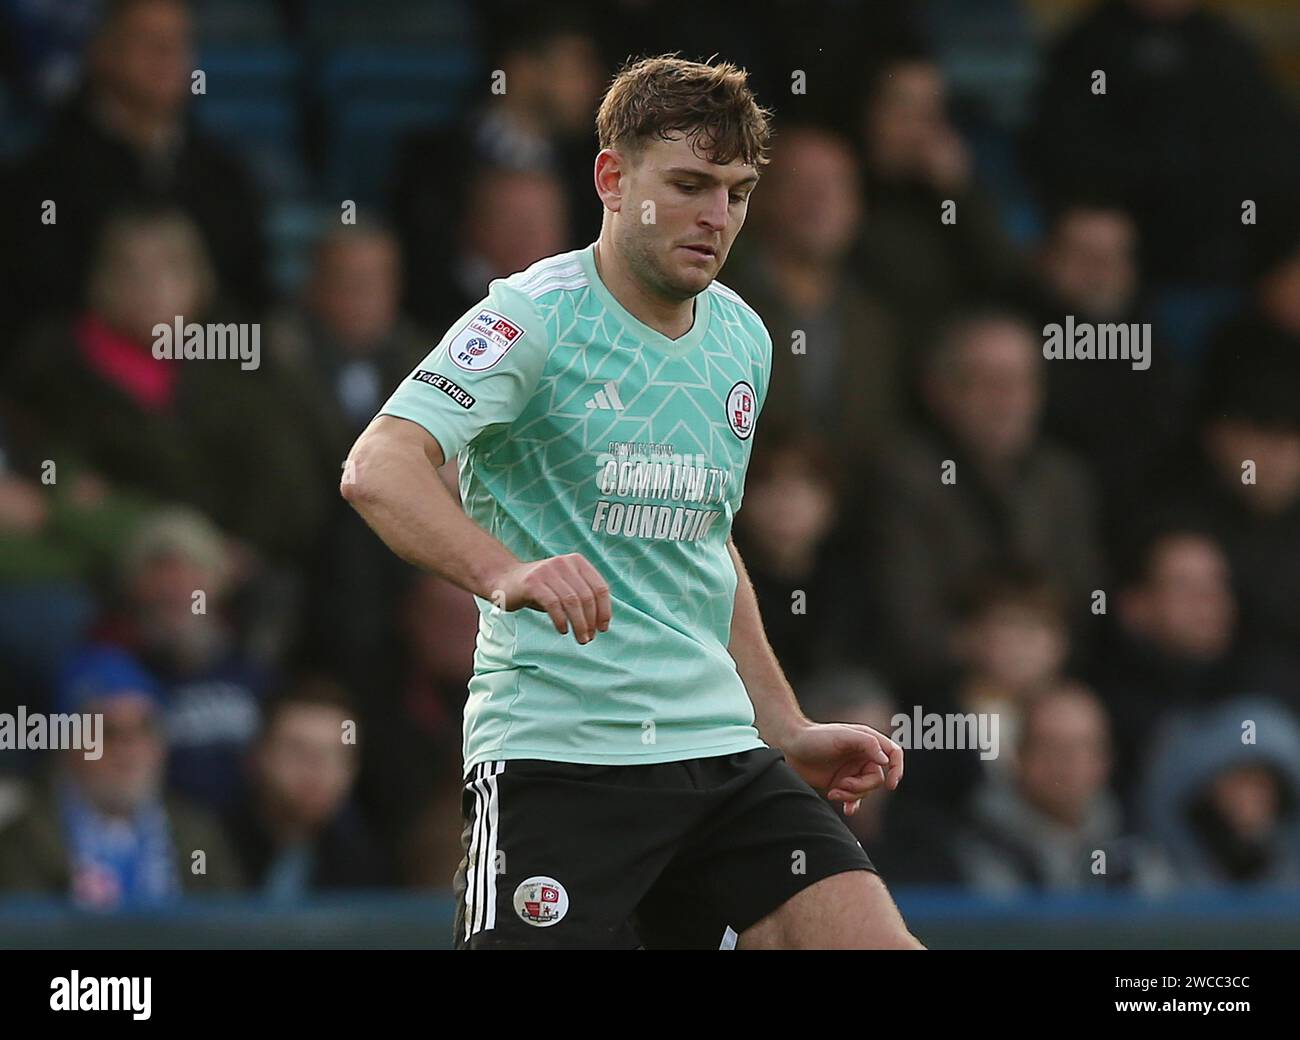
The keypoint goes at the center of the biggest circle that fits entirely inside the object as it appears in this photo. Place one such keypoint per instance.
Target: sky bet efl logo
(484, 341)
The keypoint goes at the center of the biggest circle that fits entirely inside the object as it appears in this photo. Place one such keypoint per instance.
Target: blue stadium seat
(371, 97)
(253, 102)
(988, 53)
(291, 230)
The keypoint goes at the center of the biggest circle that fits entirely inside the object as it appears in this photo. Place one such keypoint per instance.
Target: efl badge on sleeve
(484, 341)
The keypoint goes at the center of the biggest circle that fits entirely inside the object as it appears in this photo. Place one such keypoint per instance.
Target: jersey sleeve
(765, 357)
(480, 375)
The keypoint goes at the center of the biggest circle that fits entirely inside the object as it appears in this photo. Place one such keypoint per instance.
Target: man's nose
(714, 214)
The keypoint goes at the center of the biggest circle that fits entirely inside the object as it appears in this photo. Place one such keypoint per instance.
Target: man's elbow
(353, 486)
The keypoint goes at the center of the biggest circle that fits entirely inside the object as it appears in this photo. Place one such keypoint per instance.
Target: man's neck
(672, 318)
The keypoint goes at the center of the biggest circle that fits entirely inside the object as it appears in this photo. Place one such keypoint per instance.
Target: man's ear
(610, 168)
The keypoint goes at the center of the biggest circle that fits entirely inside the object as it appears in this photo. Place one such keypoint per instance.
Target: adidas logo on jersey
(607, 397)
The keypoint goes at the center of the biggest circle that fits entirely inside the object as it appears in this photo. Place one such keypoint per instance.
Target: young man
(647, 782)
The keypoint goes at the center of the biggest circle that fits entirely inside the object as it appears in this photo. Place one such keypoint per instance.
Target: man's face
(355, 290)
(304, 766)
(1275, 452)
(145, 60)
(572, 79)
(906, 114)
(1090, 262)
(1186, 604)
(151, 278)
(677, 214)
(516, 219)
(1016, 647)
(988, 392)
(129, 771)
(812, 200)
(1065, 757)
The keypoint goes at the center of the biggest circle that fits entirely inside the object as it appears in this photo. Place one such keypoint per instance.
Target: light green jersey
(580, 429)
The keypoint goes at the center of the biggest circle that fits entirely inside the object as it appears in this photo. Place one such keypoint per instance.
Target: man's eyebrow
(710, 178)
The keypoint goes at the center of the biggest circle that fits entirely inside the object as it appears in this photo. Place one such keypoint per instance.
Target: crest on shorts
(541, 901)
(484, 341)
(740, 410)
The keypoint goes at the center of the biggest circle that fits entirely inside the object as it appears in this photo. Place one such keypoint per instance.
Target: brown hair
(654, 97)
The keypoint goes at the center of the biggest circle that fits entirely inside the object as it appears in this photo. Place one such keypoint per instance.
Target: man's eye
(738, 198)
(688, 188)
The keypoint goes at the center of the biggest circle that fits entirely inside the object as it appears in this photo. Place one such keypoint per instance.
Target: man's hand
(846, 760)
(567, 587)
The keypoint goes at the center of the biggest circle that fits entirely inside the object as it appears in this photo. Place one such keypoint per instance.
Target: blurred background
(1101, 576)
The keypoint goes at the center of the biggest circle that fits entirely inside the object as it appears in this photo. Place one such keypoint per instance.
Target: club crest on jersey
(541, 901)
(740, 410)
(484, 341)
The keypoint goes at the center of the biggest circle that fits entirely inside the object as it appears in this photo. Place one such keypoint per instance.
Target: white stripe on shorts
(480, 873)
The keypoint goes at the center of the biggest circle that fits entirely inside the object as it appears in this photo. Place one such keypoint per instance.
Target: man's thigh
(559, 855)
(849, 911)
(769, 838)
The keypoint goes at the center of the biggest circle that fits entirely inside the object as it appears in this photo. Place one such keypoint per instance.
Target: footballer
(637, 771)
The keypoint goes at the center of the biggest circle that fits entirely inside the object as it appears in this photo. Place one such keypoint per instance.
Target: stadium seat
(370, 97)
(988, 54)
(253, 103)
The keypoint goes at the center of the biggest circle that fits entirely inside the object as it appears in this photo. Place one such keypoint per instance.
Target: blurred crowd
(1105, 557)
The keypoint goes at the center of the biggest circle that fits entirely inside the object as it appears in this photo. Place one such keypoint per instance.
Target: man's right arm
(391, 479)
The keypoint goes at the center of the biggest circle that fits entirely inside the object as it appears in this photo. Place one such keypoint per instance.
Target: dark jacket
(90, 173)
(931, 539)
(344, 853)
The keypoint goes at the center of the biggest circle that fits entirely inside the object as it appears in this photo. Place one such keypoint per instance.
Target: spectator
(1167, 140)
(1010, 644)
(922, 266)
(981, 489)
(125, 141)
(512, 218)
(1087, 269)
(1174, 644)
(294, 828)
(906, 838)
(224, 435)
(540, 123)
(1054, 825)
(1223, 793)
(1244, 487)
(785, 533)
(59, 530)
(835, 363)
(1265, 336)
(344, 348)
(104, 832)
(414, 700)
(176, 578)
(348, 340)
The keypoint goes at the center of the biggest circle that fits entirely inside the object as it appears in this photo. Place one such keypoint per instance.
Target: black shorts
(671, 855)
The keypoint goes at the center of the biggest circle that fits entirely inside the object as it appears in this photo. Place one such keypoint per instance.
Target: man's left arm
(776, 710)
(846, 760)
